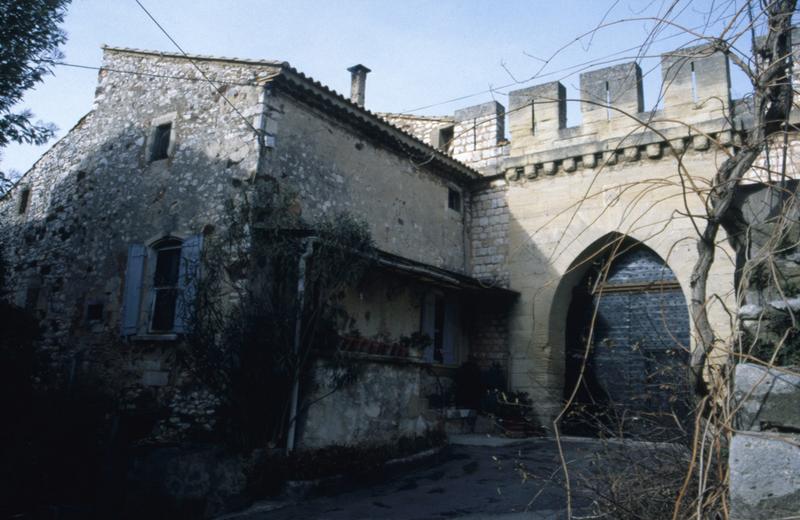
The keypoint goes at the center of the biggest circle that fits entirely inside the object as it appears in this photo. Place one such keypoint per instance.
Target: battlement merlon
(536, 112)
(478, 137)
(696, 80)
(611, 93)
(486, 122)
(695, 91)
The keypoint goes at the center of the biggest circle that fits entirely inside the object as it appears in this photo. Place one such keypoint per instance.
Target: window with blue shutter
(441, 321)
(427, 323)
(170, 267)
(450, 333)
(166, 286)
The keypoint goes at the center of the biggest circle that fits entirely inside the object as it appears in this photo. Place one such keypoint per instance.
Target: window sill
(154, 337)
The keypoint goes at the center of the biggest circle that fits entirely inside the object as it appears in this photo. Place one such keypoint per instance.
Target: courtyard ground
(479, 477)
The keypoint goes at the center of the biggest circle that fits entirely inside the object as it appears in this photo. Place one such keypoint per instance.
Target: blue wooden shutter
(450, 332)
(428, 323)
(132, 297)
(187, 278)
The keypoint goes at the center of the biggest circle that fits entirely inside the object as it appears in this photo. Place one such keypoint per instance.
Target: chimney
(358, 83)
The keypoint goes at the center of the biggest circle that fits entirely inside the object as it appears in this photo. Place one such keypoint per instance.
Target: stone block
(678, 145)
(569, 165)
(631, 154)
(530, 171)
(764, 477)
(155, 378)
(610, 157)
(512, 174)
(549, 168)
(767, 399)
(653, 150)
(589, 160)
(700, 142)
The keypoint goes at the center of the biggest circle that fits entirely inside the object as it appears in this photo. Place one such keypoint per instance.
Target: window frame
(165, 244)
(152, 138)
(24, 201)
(455, 193)
(446, 335)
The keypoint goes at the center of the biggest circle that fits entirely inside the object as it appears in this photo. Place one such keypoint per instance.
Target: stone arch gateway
(627, 341)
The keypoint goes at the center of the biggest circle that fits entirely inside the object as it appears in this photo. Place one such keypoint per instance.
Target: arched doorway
(627, 331)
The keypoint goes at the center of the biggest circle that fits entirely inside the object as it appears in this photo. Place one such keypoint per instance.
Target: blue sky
(421, 52)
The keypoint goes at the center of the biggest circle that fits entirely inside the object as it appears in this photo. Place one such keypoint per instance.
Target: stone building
(493, 242)
(104, 229)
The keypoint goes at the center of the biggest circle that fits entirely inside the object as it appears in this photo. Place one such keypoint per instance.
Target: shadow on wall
(96, 394)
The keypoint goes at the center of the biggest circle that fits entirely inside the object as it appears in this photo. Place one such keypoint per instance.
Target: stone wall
(96, 191)
(479, 137)
(336, 169)
(489, 335)
(764, 454)
(385, 307)
(473, 135)
(425, 128)
(489, 225)
(386, 402)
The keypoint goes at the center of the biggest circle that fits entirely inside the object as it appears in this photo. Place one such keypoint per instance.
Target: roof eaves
(292, 76)
(438, 275)
(297, 79)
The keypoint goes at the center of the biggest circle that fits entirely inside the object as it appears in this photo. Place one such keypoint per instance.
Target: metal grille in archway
(636, 370)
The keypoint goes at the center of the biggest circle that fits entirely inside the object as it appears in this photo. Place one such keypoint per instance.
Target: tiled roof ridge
(287, 68)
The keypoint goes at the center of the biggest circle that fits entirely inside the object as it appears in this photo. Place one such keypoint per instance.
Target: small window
(24, 198)
(165, 285)
(446, 135)
(94, 312)
(160, 146)
(32, 294)
(454, 199)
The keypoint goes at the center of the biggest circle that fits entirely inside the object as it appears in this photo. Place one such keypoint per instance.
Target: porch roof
(441, 277)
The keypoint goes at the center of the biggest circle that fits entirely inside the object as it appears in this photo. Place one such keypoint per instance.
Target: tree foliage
(29, 41)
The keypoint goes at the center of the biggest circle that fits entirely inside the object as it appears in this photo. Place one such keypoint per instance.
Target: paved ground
(478, 480)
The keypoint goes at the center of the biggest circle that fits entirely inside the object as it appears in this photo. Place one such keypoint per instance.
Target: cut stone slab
(767, 399)
(764, 477)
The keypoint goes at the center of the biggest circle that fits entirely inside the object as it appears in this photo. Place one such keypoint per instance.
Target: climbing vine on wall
(269, 298)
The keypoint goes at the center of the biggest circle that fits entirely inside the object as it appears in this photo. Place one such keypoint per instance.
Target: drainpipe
(298, 322)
